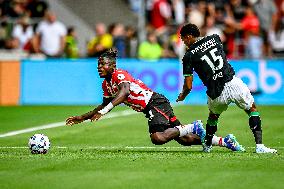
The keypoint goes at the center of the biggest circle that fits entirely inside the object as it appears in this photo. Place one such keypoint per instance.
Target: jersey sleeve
(121, 76)
(187, 65)
(106, 94)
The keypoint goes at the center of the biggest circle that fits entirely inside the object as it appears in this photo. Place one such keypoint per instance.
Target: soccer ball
(39, 144)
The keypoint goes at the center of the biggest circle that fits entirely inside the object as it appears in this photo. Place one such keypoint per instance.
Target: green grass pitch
(117, 152)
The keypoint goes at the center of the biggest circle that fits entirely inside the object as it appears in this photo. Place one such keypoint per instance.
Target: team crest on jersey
(120, 76)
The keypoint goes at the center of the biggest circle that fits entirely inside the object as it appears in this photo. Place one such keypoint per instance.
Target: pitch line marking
(60, 124)
(125, 147)
(24, 147)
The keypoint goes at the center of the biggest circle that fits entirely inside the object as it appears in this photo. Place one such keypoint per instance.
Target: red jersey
(250, 24)
(139, 95)
(157, 19)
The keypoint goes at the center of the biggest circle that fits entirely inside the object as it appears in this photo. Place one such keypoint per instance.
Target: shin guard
(255, 126)
(211, 128)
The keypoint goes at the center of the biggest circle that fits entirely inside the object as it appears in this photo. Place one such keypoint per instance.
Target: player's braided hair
(110, 54)
(190, 29)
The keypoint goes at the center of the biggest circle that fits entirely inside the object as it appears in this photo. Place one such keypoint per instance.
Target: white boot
(260, 148)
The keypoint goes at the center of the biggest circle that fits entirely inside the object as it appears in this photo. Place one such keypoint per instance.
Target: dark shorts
(160, 114)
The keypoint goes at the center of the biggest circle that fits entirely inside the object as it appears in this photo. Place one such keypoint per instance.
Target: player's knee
(255, 121)
(213, 119)
(157, 139)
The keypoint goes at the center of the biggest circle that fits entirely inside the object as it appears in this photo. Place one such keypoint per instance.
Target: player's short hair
(110, 54)
(190, 29)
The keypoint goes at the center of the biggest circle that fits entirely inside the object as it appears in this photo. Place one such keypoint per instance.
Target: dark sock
(257, 136)
(255, 126)
(210, 131)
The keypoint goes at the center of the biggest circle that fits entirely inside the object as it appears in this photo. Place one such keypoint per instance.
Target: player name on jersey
(204, 46)
(207, 58)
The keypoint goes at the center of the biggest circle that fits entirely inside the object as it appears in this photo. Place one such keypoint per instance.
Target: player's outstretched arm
(187, 86)
(124, 91)
(79, 119)
(74, 120)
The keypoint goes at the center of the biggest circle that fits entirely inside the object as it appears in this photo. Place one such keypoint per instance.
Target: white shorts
(235, 91)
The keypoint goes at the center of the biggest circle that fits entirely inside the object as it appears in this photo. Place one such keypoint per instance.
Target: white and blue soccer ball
(39, 144)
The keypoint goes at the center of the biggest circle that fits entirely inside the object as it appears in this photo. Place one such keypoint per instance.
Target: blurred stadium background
(48, 49)
(48, 71)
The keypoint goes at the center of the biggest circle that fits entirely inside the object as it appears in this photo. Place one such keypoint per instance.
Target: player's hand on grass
(74, 120)
(96, 117)
(181, 97)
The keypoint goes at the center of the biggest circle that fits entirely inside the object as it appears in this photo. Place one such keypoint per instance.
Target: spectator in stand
(210, 28)
(235, 10)
(160, 16)
(71, 47)
(276, 34)
(50, 36)
(17, 8)
(251, 31)
(150, 49)
(131, 42)
(4, 33)
(179, 11)
(37, 8)
(177, 44)
(118, 35)
(220, 4)
(220, 16)
(228, 31)
(4, 6)
(170, 47)
(267, 13)
(148, 10)
(101, 42)
(250, 27)
(197, 13)
(23, 32)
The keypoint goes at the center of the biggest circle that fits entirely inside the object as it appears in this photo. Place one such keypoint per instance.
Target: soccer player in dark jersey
(120, 87)
(206, 57)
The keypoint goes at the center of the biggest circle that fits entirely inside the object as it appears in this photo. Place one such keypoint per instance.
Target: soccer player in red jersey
(120, 87)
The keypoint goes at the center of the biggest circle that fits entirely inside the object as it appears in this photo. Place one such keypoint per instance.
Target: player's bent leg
(159, 138)
(163, 137)
(189, 139)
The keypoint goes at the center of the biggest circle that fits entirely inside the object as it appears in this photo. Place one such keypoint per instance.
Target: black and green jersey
(207, 58)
